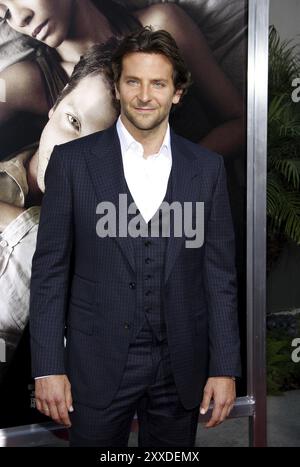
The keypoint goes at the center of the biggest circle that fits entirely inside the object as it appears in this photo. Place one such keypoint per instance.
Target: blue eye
(132, 82)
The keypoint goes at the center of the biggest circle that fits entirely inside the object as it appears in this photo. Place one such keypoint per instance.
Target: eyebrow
(153, 79)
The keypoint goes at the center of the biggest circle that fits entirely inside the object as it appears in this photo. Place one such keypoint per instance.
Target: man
(75, 114)
(150, 322)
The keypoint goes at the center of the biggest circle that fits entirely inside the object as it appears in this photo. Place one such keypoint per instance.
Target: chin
(143, 124)
(54, 40)
(147, 125)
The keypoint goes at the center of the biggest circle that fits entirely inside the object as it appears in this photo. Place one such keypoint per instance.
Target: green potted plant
(283, 197)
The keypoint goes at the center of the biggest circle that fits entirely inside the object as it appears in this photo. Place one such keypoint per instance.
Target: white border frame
(254, 404)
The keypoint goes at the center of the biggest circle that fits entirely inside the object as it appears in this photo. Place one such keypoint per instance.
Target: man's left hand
(222, 390)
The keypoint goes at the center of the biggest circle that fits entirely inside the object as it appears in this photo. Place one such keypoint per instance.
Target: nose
(22, 17)
(144, 94)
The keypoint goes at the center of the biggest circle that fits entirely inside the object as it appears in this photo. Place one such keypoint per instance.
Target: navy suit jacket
(81, 283)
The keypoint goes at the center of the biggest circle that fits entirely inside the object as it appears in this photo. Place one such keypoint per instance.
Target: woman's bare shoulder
(24, 88)
(160, 15)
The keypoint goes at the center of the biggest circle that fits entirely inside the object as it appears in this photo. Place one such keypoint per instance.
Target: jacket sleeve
(221, 284)
(50, 271)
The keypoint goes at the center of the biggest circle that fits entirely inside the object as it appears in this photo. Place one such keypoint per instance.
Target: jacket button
(148, 243)
(126, 325)
(132, 285)
(148, 260)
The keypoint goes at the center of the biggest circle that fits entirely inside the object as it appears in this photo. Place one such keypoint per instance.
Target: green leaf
(283, 165)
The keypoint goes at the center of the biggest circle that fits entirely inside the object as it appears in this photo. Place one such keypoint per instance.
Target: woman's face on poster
(47, 21)
(85, 110)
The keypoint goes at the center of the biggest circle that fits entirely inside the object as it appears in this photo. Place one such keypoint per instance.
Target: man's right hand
(53, 398)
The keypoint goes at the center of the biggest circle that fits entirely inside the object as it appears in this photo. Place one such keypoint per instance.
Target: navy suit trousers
(148, 389)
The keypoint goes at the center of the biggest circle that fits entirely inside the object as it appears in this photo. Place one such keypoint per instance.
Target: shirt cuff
(41, 377)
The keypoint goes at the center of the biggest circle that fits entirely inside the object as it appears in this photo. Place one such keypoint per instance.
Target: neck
(88, 26)
(151, 140)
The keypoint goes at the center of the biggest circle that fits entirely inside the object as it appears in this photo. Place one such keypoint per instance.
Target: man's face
(85, 110)
(146, 91)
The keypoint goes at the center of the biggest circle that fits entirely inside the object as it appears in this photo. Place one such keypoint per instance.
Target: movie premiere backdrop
(212, 36)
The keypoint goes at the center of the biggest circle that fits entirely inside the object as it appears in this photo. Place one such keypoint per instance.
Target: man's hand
(222, 390)
(53, 398)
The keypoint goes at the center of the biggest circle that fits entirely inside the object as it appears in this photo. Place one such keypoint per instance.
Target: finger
(54, 413)
(69, 400)
(38, 405)
(207, 395)
(63, 414)
(216, 414)
(231, 405)
(224, 413)
(45, 409)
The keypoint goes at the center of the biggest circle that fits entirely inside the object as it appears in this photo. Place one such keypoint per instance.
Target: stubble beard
(142, 123)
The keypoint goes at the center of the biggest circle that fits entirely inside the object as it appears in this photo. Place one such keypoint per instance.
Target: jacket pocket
(81, 318)
(82, 291)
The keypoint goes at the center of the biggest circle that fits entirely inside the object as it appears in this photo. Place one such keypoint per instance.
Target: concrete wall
(285, 16)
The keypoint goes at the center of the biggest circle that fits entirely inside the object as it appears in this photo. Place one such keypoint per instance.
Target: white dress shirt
(146, 178)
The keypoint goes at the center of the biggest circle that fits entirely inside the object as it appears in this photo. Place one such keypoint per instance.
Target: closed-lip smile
(144, 108)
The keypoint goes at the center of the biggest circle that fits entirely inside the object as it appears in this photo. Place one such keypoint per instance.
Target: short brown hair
(146, 40)
(96, 61)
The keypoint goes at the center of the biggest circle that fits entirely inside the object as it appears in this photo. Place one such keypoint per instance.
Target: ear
(51, 112)
(117, 92)
(177, 96)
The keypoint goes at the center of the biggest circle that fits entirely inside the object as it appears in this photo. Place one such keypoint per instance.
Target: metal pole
(256, 215)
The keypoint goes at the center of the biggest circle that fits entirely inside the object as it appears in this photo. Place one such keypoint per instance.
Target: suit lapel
(105, 166)
(184, 173)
